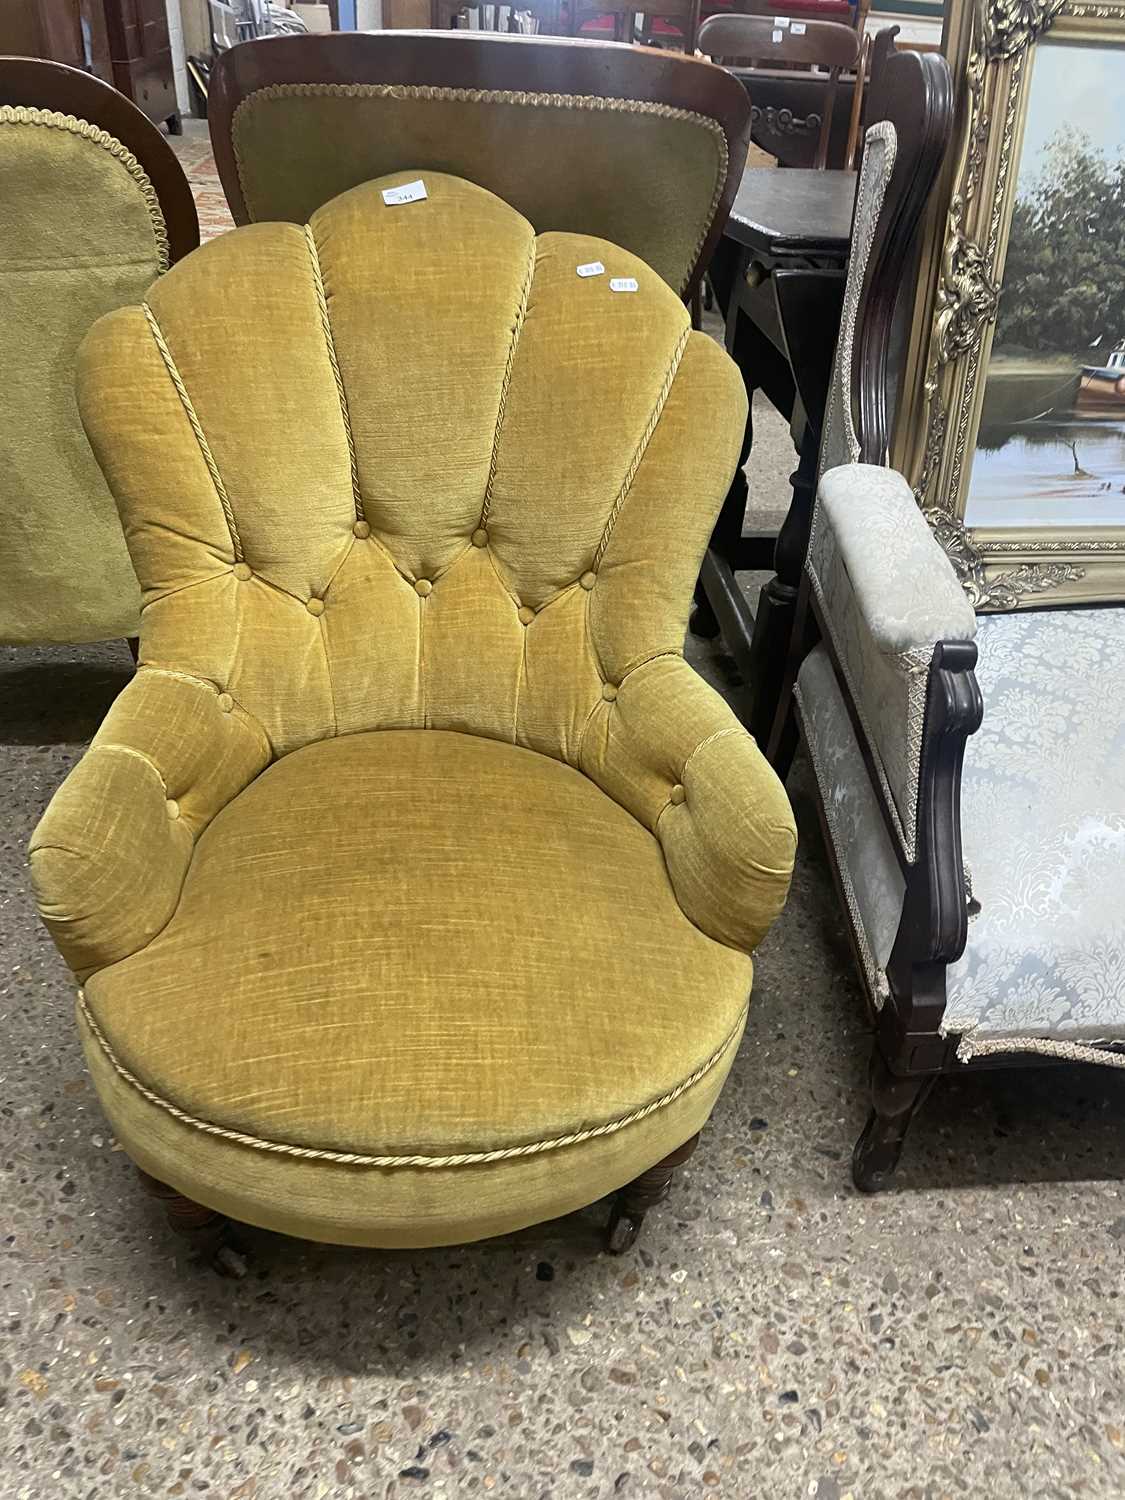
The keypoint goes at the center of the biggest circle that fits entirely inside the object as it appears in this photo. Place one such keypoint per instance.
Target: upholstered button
(526, 615)
(609, 692)
(243, 571)
(480, 537)
(423, 587)
(588, 580)
(226, 703)
(361, 529)
(677, 795)
(172, 807)
(315, 606)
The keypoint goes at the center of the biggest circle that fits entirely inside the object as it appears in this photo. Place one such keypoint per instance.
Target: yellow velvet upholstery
(413, 879)
(297, 145)
(80, 233)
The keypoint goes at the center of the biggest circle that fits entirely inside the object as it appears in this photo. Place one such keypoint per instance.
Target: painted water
(1049, 474)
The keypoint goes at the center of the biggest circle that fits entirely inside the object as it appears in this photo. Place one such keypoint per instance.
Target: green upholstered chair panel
(413, 782)
(81, 233)
(641, 174)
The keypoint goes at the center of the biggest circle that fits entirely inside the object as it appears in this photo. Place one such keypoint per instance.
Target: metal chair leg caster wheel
(624, 1227)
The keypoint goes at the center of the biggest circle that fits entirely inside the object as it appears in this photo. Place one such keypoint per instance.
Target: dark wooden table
(779, 279)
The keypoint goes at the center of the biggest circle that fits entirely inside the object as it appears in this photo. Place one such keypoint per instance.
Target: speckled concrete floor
(775, 1335)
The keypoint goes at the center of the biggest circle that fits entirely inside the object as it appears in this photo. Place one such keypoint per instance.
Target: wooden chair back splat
(756, 42)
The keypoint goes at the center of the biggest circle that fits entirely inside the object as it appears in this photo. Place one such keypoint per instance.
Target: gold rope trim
(642, 446)
(330, 340)
(502, 408)
(433, 92)
(22, 114)
(196, 427)
(357, 1159)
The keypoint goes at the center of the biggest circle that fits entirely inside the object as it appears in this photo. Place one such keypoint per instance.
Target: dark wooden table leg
(777, 605)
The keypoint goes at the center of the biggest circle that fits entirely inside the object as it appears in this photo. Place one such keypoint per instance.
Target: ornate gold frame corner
(989, 44)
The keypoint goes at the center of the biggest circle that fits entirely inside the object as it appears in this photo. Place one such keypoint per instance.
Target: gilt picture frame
(1011, 423)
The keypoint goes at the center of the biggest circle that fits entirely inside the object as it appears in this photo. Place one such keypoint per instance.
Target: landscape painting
(1051, 443)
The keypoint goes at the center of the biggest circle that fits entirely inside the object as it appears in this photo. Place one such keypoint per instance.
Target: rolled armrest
(671, 751)
(887, 595)
(870, 538)
(110, 854)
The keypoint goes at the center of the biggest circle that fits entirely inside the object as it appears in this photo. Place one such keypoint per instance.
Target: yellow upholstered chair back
(639, 147)
(404, 468)
(82, 231)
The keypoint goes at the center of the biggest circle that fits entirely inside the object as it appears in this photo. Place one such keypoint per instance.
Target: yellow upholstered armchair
(93, 205)
(411, 883)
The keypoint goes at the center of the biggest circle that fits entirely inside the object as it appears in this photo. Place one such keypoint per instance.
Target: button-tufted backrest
(404, 467)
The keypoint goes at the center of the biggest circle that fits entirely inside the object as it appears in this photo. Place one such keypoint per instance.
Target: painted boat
(1101, 388)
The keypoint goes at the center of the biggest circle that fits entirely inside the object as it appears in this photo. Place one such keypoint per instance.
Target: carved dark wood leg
(894, 1103)
(184, 1216)
(175, 124)
(636, 1198)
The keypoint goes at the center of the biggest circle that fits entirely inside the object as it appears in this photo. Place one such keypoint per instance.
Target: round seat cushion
(421, 987)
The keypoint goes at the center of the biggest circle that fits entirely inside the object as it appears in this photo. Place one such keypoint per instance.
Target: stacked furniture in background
(122, 42)
(95, 206)
(411, 883)
(752, 43)
(642, 148)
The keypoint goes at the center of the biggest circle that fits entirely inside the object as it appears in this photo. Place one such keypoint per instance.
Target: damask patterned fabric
(1043, 820)
(869, 869)
(888, 594)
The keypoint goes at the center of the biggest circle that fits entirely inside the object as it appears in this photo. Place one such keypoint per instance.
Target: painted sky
(1080, 87)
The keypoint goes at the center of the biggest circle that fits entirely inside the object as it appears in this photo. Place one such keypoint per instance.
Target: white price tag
(797, 28)
(783, 22)
(591, 268)
(409, 192)
(775, 39)
(623, 283)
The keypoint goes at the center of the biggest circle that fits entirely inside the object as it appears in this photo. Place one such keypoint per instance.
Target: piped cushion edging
(360, 1159)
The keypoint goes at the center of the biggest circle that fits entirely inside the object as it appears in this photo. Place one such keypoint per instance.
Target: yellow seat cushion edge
(359, 1159)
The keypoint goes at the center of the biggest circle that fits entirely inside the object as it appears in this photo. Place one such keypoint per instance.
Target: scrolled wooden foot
(895, 1101)
(635, 1199)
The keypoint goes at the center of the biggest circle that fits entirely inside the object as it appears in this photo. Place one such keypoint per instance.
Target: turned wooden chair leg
(635, 1199)
(184, 1216)
(895, 1101)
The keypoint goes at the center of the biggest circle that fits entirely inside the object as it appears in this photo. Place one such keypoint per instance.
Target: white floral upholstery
(868, 867)
(888, 594)
(1043, 824)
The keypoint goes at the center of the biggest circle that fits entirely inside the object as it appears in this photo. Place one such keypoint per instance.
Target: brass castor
(635, 1199)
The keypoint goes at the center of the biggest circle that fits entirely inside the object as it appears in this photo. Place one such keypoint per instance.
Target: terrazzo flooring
(774, 1335)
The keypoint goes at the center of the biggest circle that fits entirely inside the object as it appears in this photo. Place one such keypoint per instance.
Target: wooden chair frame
(913, 91)
(755, 41)
(459, 59)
